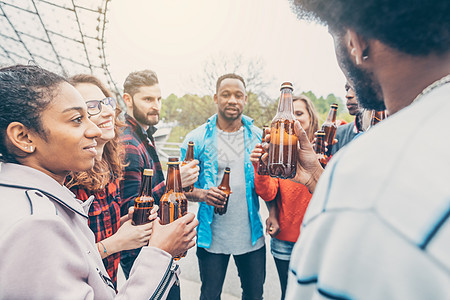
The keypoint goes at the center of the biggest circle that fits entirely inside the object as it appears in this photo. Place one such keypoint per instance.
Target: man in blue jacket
(226, 140)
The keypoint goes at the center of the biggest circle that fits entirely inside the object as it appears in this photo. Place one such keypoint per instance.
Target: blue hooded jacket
(205, 150)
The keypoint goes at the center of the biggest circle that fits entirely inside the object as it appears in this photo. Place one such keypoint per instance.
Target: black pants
(283, 269)
(251, 269)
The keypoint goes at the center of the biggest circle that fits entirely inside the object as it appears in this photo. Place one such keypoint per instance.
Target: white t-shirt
(231, 233)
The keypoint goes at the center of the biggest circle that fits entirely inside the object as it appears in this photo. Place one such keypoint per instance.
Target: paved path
(190, 278)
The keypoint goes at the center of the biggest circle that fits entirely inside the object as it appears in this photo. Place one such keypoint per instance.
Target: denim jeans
(251, 270)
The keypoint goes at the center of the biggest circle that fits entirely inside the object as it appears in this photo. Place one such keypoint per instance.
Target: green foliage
(177, 134)
(170, 108)
(261, 114)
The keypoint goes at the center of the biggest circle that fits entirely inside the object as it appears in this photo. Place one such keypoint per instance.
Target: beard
(142, 117)
(367, 91)
(227, 117)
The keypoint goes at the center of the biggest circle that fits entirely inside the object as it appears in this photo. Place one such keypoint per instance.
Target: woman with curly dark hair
(48, 250)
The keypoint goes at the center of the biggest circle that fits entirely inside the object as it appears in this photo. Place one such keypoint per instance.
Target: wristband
(104, 248)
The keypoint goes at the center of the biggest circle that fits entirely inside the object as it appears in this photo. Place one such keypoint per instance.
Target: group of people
(376, 224)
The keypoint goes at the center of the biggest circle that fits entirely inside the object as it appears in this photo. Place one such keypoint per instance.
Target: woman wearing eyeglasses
(102, 182)
(47, 249)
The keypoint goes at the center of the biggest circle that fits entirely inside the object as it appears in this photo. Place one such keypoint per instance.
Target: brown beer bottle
(319, 147)
(224, 187)
(173, 203)
(377, 117)
(262, 167)
(330, 126)
(187, 159)
(283, 141)
(143, 204)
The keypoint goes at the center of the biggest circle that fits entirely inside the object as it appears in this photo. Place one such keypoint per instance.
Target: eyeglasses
(94, 107)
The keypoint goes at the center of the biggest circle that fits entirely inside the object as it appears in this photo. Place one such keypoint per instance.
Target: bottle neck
(264, 133)
(173, 182)
(146, 186)
(285, 105)
(225, 180)
(332, 115)
(319, 146)
(189, 153)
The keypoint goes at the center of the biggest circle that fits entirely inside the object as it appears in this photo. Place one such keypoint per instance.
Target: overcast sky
(176, 37)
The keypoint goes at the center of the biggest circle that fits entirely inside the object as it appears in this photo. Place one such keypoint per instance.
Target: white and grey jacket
(47, 250)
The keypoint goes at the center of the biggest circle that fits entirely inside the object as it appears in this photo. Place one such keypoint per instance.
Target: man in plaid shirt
(142, 96)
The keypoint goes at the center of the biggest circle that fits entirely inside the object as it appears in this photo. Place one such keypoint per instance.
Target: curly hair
(313, 117)
(111, 166)
(138, 79)
(25, 92)
(415, 27)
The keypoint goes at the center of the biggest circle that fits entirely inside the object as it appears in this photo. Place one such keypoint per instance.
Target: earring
(31, 148)
(365, 57)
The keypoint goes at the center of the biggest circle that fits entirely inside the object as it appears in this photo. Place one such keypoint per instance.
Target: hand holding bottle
(129, 236)
(256, 153)
(215, 197)
(176, 237)
(189, 173)
(308, 167)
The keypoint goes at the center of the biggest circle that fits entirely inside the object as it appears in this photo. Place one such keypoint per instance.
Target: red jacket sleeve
(265, 186)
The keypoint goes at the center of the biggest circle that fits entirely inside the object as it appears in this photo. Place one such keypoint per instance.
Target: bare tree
(251, 69)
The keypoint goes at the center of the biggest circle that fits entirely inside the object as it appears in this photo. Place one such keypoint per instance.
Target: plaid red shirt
(104, 219)
(140, 154)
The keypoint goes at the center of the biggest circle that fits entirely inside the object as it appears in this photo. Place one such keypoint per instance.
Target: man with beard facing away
(142, 96)
(226, 140)
(378, 225)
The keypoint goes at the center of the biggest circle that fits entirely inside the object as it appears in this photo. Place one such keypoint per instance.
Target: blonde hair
(313, 117)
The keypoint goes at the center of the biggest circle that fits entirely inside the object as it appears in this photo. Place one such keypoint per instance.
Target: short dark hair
(25, 92)
(229, 75)
(415, 27)
(138, 79)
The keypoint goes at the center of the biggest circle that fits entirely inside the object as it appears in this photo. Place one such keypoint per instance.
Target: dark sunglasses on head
(94, 107)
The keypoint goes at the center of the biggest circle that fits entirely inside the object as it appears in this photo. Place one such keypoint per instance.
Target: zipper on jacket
(164, 284)
(106, 280)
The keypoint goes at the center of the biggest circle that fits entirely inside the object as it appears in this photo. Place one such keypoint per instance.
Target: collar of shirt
(143, 134)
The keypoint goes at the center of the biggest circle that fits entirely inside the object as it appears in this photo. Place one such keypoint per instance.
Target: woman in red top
(287, 200)
(102, 182)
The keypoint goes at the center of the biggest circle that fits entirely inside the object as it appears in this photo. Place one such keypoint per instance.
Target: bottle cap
(320, 132)
(227, 169)
(288, 85)
(191, 143)
(173, 161)
(148, 172)
(334, 105)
